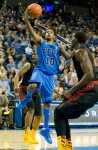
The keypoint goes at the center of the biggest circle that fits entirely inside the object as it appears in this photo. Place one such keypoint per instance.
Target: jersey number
(50, 61)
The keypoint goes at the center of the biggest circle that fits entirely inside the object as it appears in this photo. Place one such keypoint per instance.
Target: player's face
(49, 34)
(73, 42)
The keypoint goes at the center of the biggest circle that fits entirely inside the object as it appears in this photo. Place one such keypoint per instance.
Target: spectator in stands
(73, 76)
(4, 110)
(3, 83)
(28, 50)
(58, 91)
(56, 81)
(65, 77)
(13, 52)
(10, 78)
(11, 63)
(16, 43)
(5, 46)
(0, 42)
(2, 69)
(24, 42)
(1, 35)
(62, 65)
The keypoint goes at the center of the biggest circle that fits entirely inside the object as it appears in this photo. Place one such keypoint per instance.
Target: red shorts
(22, 91)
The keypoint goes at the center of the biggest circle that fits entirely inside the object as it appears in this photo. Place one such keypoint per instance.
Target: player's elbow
(16, 77)
(90, 75)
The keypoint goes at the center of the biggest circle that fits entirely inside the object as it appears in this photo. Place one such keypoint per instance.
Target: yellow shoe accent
(61, 143)
(34, 139)
(33, 136)
(69, 145)
(27, 139)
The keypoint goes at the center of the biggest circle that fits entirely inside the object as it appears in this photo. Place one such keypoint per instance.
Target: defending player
(81, 97)
(33, 107)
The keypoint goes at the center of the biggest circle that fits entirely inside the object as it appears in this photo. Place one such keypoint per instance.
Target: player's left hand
(66, 95)
(62, 45)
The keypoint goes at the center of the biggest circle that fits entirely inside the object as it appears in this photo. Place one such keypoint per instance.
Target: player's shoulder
(57, 45)
(81, 51)
(44, 41)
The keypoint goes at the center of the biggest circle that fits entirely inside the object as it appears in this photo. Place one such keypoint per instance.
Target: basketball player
(48, 52)
(81, 97)
(33, 107)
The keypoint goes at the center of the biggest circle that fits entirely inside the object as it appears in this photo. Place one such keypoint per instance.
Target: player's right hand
(25, 17)
(63, 97)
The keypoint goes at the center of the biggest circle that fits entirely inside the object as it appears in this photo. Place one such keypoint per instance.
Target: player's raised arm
(65, 54)
(85, 63)
(37, 39)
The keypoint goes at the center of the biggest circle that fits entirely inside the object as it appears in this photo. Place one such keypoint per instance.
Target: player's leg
(59, 121)
(46, 96)
(46, 112)
(68, 136)
(45, 132)
(37, 116)
(71, 110)
(35, 81)
(28, 120)
(29, 115)
(62, 113)
(30, 90)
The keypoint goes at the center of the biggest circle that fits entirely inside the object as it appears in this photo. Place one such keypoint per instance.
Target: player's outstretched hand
(25, 17)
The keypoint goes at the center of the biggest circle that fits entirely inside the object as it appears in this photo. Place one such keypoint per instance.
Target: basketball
(34, 10)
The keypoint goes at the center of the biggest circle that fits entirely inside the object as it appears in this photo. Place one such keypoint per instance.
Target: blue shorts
(45, 85)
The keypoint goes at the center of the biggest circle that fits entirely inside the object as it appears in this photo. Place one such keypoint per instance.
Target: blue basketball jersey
(48, 57)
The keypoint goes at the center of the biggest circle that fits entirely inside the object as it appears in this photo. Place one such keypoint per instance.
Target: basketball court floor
(83, 139)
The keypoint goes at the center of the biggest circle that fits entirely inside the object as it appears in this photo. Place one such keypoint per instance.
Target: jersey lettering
(50, 60)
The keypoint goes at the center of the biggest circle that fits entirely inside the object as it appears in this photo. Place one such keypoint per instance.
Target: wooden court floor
(82, 139)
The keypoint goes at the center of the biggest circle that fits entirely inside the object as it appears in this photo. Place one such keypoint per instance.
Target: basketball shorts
(45, 85)
(75, 106)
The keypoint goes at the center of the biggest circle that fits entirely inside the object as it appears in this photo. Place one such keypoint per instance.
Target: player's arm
(21, 72)
(86, 66)
(37, 39)
(65, 54)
